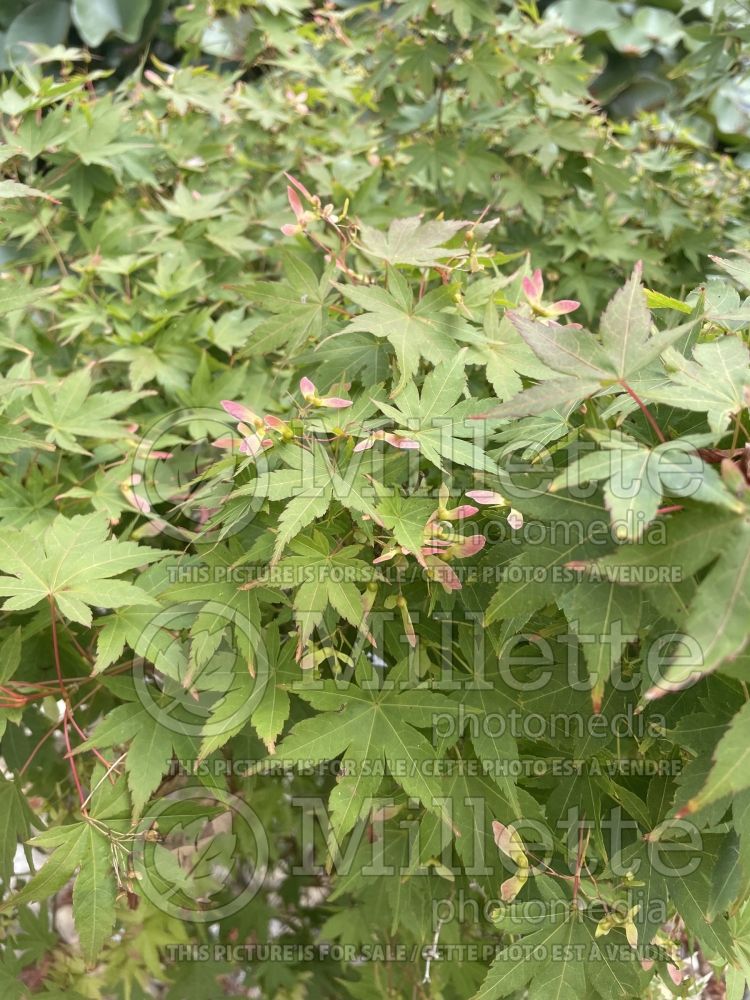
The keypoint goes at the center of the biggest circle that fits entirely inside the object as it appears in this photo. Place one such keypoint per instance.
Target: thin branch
(68, 712)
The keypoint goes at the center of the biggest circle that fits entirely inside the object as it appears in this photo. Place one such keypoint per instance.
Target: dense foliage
(374, 521)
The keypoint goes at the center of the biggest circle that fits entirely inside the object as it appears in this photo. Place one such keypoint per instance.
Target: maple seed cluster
(254, 429)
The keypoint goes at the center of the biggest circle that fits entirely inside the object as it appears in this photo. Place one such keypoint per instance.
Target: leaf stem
(645, 410)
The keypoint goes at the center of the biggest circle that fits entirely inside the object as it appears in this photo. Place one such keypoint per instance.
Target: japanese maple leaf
(372, 724)
(429, 328)
(75, 408)
(72, 560)
(411, 241)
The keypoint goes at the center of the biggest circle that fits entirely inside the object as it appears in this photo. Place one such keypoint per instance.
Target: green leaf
(14, 825)
(657, 300)
(529, 581)
(69, 843)
(720, 612)
(72, 561)
(44, 22)
(738, 267)
(95, 19)
(626, 325)
(151, 746)
(443, 425)
(70, 409)
(691, 541)
(548, 964)
(406, 518)
(298, 305)
(638, 477)
(565, 349)
(309, 505)
(728, 879)
(730, 773)
(548, 396)
(605, 617)
(14, 189)
(15, 296)
(428, 329)
(10, 655)
(94, 895)
(411, 241)
(273, 709)
(14, 438)
(717, 617)
(691, 896)
(715, 382)
(587, 16)
(374, 722)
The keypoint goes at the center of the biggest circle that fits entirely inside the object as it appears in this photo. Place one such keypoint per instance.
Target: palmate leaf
(94, 894)
(738, 267)
(557, 393)
(429, 329)
(589, 364)
(151, 747)
(411, 241)
(718, 615)
(534, 577)
(564, 959)
(348, 358)
(297, 304)
(16, 296)
(14, 438)
(272, 710)
(626, 325)
(716, 382)
(637, 477)
(308, 506)
(310, 483)
(495, 744)
(14, 189)
(322, 576)
(128, 626)
(15, 817)
(377, 721)
(728, 878)
(566, 350)
(439, 420)
(72, 410)
(692, 897)
(406, 518)
(549, 968)
(72, 561)
(68, 848)
(715, 618)
(84, 848)
(691, 541)
(473, 802)
(506, 355)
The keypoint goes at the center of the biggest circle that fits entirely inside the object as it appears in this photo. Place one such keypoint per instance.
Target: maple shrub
(374, 615)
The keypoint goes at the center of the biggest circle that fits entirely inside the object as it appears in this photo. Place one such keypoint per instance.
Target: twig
(68, 712)
(433, 952)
